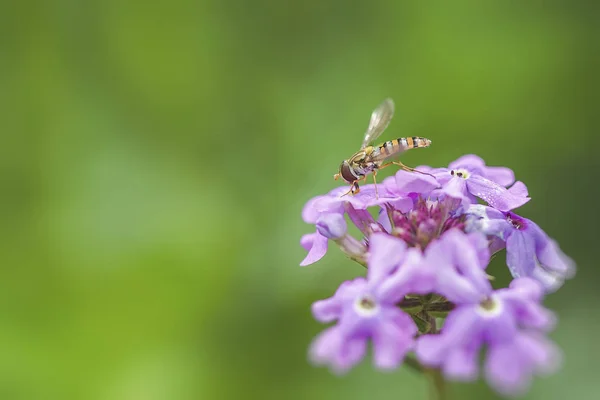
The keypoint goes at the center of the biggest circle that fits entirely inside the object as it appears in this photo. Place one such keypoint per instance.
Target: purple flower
(529, 251)
(428, 219)
(469, 177)
(510, 322)
(366, 309)
(460, 261)
(320, 208)
(335, 201)
(330, 227)
(426, 248)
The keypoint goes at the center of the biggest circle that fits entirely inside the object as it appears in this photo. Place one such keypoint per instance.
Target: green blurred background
(155, 157)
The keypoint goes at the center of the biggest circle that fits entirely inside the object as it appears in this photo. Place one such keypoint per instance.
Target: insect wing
(380, 119)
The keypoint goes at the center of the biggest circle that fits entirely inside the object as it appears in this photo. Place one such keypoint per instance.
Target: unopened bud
(332, 226)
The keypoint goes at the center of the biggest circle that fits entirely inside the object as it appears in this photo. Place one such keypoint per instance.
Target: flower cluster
(426, 243)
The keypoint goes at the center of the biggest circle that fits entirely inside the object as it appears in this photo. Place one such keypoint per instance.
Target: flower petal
(412, 276)
(519, 189)
(510, 365)
(327, 310)
(309, 212)
(466, 268)
(520, 254)
(495, 195)
(523, 261)
(386, 252)
(316, 244)
(361, 218)
(550, 255)
(450, 283)
(506, 369)
(461, 363)
(384, 220)
(480, 243)
(469, 161)
(527, 289)
(545, 355)
(341, 353)
(501, 175)
(392, 339)
(457, 188)
(481, 218)
(414, 182)
(460, 329)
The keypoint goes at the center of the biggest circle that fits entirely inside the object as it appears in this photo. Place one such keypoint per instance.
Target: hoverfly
(370, 159)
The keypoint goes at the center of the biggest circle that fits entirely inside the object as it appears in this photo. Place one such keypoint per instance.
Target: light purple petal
(506, 369)
(468, 161)
(386, 252)
(461, 363)
(457, 188)
(414, 182)
(349, 290)
(316, 244)
(532, 315)
(457, 248)
(329, 204)
(510, 365)
(384, 220)
(480, 244)
(332, 348)
(327, 310)
(519, 189)
(309, 212)
(450, 283)
(550, 255)
(460, 329)
(520, 254)
(481, 218)
(361, 218)
(414, 275)
(550, 280)
(527, 289)
(523, 297)
(501, 175)
(430, 170)
(392, 339)
(498, 325)
(330, 309)
(495, 195)
(496, 244)
(467, 259)
(544, 354)
(522, 260)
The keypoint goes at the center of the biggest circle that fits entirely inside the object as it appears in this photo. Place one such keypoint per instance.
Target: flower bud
(332, 226)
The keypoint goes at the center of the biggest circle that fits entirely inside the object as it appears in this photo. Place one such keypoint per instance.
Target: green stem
(438, 388)
(412, 363)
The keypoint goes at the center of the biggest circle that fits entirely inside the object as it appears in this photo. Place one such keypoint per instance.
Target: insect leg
(409, 169)
(354, 188)
(375, 183)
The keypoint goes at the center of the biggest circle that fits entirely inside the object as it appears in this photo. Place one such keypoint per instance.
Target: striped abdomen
(395, 146)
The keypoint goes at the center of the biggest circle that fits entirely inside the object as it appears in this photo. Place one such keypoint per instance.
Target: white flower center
(461, 173)
(366, 306)
(490, 307)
